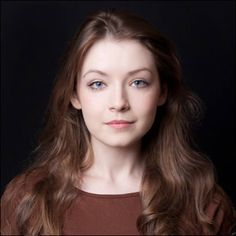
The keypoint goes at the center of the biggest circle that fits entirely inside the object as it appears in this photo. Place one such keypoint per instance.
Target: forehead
(115, 56)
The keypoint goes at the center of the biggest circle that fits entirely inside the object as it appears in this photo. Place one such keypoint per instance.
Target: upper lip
(119, 122)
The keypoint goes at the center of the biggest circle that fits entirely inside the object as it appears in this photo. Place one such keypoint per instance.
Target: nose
(119, 100)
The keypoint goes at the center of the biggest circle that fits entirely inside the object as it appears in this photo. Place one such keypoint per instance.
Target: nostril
(119, 100)
(123, 107)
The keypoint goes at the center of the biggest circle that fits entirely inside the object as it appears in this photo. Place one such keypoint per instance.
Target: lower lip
(120, 126)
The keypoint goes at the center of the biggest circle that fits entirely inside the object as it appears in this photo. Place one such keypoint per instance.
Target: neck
(115, 164)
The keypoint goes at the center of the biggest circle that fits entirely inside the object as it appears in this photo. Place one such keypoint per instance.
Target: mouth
(119, 124)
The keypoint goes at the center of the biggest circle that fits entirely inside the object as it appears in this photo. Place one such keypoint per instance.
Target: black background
(34, 35)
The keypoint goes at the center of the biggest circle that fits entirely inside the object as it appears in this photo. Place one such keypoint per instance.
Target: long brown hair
(178, 181)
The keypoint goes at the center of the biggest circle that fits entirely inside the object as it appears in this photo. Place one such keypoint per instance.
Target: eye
(96, 85)
(139, 83)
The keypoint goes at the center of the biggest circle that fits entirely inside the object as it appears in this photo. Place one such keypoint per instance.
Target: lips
(114, 122)
(120, 124)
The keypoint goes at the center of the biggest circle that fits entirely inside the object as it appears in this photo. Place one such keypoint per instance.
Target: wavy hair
(178, 180)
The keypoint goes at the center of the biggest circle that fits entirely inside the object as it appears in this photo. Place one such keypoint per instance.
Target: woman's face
(118, 81)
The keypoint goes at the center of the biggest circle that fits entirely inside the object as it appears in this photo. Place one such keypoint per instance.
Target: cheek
(92, 107)
(89, 103)
(146, 104)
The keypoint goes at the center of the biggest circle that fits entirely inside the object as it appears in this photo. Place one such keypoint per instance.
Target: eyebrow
(133, 72)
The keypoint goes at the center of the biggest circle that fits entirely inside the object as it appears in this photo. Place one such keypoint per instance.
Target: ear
(163, 95)
(75, 102)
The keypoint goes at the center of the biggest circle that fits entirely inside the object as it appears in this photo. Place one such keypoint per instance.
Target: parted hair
(178, 181)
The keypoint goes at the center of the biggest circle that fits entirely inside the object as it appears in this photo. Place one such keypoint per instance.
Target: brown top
(103, 214)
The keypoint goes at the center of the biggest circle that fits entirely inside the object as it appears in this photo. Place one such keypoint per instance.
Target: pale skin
(118, 81)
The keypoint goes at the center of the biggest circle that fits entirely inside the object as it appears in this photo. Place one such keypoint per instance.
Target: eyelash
(139, 80)
(93, 83)
(143, 81)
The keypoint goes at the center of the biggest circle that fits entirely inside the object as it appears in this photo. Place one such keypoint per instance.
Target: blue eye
(140, 83)
(96, 85)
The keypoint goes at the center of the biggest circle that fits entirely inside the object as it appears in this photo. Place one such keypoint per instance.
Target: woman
(116, 155)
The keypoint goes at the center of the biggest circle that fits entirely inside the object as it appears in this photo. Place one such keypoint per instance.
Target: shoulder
(16, 190)
(24, 182)
(221, 212)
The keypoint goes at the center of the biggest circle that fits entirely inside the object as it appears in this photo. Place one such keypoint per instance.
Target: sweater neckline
(98, 195)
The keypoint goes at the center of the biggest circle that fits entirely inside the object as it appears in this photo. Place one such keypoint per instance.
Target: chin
(121, 143)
